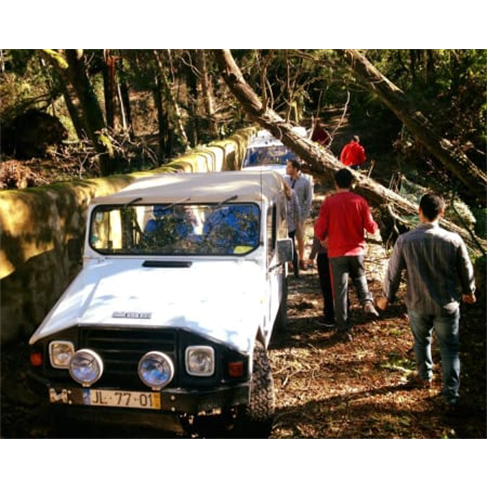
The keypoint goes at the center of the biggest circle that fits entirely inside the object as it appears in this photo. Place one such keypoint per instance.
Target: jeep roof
(199, 188)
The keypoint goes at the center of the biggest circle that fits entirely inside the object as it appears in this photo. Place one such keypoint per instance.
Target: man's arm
(309, 198)
(362, 154)
(321, 224)
(369, 224)
(466, 274)
(393, 276)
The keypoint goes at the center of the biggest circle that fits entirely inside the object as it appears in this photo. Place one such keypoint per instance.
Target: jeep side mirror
(285, 250)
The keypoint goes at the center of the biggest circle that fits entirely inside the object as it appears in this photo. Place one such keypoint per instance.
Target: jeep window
(175, 229)
(267, 155)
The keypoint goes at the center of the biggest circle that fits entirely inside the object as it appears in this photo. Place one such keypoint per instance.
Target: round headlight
(86, 367)
(155, 369)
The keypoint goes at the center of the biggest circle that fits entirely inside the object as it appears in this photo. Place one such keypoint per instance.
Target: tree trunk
(173, 104)
(125, 103)
(321, 163)
(472, 177)
(73, 112)
(71, 69)
(109, 87)
(163, 137)
(206, 90)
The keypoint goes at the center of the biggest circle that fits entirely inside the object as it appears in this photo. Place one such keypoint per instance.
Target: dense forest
(86, 113)
(107, 102)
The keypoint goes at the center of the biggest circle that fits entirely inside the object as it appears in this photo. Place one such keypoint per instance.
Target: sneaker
(325, 323)
(414, 381)
(343, 336)
(370, 310)
(451, 406)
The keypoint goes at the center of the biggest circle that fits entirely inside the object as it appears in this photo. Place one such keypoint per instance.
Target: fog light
(60, 354)
(86, 367)
(200, 360)
(155, 369)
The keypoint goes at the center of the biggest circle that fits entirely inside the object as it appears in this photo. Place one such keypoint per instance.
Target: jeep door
(275, 269)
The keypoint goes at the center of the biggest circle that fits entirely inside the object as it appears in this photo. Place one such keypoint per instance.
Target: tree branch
(321, 163)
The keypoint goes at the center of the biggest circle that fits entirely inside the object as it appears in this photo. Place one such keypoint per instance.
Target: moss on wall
(36, 225)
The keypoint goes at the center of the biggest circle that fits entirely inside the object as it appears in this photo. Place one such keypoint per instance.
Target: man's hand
(469, 298)
(382, 303)
(325, 243)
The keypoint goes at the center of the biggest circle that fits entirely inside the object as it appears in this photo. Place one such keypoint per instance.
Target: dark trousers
(342, 268)
(326, 286)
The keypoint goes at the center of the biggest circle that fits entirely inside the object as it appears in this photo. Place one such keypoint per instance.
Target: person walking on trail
(439, 276)
(303, 188)
(292, 216)
(342, 219)
(353, 154)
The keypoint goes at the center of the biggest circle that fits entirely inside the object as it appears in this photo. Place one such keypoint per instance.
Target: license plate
(125, 399)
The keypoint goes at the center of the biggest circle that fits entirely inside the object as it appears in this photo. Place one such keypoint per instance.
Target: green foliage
(24, 84)
(480, 225)
(447, 85)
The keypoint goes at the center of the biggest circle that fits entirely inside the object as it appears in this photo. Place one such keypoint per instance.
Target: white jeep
(171, 316)
(266, 153)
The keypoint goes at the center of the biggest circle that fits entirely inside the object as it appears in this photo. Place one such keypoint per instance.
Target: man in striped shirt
(439, 275)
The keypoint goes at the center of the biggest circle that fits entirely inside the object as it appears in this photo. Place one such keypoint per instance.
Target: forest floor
(325, 388)
(352, 390)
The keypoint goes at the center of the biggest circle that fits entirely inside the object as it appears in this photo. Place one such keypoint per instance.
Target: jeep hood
(221, 300)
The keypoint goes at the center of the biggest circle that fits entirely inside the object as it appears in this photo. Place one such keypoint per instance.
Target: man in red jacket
(353, 154)
(342, 219)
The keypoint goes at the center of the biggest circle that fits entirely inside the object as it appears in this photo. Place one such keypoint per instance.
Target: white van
(183, 283)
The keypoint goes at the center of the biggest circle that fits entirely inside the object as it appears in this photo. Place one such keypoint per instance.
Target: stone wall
(36, 225)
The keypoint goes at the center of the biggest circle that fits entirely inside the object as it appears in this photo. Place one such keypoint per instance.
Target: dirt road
(324, 388)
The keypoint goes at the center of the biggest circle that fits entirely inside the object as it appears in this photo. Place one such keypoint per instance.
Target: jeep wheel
(251, 421)
(256, 419)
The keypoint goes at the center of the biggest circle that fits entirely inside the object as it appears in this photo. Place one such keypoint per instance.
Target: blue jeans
(342, 268)
(446, 327)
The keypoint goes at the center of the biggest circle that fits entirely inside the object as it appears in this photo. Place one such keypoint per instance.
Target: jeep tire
(257, 417)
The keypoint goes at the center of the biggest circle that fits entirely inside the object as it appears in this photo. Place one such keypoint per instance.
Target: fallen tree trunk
(472, 177)
(321, 164)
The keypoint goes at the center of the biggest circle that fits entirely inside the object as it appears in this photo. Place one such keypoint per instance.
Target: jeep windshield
(175, 229)
(267, 156)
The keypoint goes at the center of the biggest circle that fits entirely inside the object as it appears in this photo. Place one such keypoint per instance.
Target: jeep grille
(121, 350)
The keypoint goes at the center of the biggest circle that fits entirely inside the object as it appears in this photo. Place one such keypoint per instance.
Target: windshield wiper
(179, 202)
(227, 200)
(138, 199)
